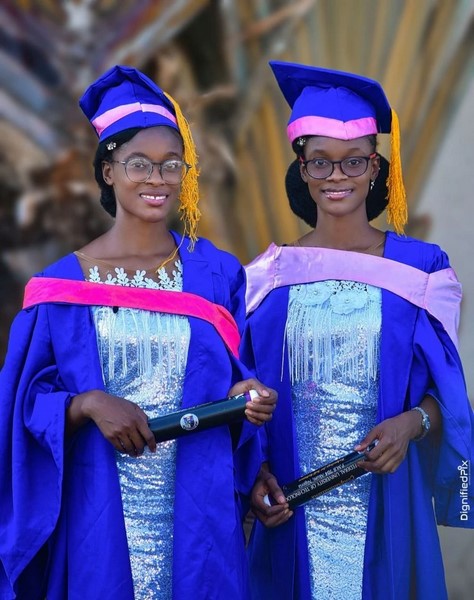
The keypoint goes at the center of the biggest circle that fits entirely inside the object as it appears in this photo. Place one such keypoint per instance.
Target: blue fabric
(314, 91)
(120, 86)
(61, 520)
(403, 554)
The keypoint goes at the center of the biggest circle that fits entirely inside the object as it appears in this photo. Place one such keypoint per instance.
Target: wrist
(83, 405)
(264, 472)
(424, 423)
(77, 413)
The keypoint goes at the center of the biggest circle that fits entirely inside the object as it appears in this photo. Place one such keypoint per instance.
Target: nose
(337, 172)
(155, 175)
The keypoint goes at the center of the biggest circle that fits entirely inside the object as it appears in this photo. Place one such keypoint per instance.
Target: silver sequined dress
(143, 357)
(333, 333)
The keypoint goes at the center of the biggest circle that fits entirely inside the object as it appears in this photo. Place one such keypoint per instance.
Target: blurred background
(212, 56)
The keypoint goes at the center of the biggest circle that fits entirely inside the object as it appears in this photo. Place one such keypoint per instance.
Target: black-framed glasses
(352, 166)
(139, 169)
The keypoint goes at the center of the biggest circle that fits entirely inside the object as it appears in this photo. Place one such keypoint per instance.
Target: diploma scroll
(325, 478)
(198, 418)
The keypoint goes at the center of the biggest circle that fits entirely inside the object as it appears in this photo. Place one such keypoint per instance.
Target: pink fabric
(333, 128)
(439, 293)
(114, 114)
(40, 290)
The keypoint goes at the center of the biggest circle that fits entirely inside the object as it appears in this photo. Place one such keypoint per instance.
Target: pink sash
(439, 292)
(40, 290)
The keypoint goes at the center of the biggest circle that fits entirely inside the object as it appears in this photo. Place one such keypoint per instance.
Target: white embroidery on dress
(333, 325)
(138, 280)
(94, 275)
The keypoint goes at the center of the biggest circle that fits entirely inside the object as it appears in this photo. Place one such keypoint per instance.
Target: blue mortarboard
(331, 103)
(123, 98)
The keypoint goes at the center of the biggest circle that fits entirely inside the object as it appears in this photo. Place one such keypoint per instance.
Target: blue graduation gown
(402, 555)
(61, 521)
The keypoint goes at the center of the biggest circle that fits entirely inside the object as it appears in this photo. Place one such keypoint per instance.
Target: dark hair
(303, 205)
(107, 194)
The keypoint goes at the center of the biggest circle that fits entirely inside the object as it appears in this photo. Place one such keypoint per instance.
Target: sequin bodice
(333, 333)
(143, 356)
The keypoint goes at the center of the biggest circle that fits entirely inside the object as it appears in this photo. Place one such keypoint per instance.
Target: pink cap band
(333, 128)
(115, 114)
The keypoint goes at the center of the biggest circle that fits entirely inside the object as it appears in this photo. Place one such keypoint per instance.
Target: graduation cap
(343, 106)
(125, 98)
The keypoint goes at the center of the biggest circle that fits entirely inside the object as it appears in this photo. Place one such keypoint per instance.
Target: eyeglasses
(353, 166)
(139, 170)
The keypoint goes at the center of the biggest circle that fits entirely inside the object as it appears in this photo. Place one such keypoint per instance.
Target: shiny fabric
(402, 553)
(333, 333)
(143, 357)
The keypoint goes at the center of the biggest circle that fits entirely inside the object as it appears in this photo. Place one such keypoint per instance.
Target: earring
(372, 183)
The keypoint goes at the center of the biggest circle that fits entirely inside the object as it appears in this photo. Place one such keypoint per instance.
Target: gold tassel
(189, 196)
(397, 212)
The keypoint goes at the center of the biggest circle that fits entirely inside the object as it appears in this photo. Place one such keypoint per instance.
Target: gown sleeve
(33, 404)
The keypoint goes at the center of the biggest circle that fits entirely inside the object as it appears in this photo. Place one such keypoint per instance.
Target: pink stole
(439, 292)
(40, 290)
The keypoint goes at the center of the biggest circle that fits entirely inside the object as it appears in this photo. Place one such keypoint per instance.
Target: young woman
(356, 329)
(140, 322)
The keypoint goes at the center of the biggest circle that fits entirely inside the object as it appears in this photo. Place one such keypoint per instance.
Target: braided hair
(303, 205)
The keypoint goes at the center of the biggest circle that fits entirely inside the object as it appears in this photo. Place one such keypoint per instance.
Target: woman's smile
(337, 194)
(154, 199)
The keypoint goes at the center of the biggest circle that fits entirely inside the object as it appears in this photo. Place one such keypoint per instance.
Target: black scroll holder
(198, 418)
(325, 478)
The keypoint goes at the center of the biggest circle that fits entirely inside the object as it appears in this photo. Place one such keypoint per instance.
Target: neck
(343, 236)
(146, 239)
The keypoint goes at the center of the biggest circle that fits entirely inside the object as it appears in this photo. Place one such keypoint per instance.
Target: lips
(337, 194)
(154, 199)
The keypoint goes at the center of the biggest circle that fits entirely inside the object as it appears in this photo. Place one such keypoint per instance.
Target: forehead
(329, 145)
(155, 139)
